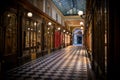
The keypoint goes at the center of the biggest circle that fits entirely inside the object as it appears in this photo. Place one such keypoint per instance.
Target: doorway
(79, 39)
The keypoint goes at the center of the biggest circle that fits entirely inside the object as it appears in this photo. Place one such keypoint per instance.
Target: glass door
(29, 36)
(10, 40)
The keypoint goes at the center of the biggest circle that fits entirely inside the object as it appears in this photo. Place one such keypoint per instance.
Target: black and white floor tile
(69, 63)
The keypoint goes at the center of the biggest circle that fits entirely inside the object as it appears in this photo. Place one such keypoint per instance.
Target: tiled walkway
(69, 63)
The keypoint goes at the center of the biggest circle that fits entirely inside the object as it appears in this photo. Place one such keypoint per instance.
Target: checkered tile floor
(69, 63)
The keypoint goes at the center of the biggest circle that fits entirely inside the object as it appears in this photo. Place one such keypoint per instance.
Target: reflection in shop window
(11, 33)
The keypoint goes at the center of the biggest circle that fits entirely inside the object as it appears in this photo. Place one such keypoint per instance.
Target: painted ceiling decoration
(70, 7)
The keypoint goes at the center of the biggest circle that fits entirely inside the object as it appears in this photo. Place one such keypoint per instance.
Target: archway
(77, 37)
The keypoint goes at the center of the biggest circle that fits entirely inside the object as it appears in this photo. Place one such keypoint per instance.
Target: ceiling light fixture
(49, 23)
(29, 14)
(81, 27)
(80, 13)
(81, 24)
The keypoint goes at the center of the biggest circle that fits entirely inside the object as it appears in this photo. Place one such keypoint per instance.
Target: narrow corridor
(70, 63)
(43, 39)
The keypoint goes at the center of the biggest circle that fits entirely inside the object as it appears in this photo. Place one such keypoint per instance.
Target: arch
(77, 36)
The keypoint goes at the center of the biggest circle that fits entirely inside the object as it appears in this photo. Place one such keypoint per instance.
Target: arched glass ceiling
(70, 7)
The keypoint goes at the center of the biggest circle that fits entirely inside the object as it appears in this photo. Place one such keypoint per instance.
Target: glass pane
(27, 39)
(0, 40)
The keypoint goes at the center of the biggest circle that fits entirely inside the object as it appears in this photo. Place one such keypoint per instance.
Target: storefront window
(45, 37)
(10, 33)
(30, 35)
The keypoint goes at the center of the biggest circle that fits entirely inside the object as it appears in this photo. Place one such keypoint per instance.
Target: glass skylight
(70, 7)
